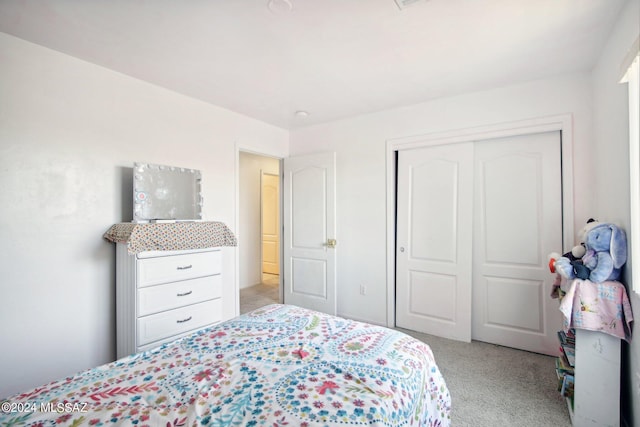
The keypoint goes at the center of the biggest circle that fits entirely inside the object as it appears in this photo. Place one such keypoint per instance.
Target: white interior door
(434, 240)
(518, 222)
(270, 221)
(309, 268)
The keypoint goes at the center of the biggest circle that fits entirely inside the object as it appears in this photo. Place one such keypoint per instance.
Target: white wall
(249, 245)
(361, 175)
(69, 134)
(611, 172)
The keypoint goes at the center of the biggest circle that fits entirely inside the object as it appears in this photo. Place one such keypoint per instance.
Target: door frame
(273, 153)
(562, 123)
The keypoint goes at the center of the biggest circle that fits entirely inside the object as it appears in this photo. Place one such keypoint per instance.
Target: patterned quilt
(277, 366)
(602, 307)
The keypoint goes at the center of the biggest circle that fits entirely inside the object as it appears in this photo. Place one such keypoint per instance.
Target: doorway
(259, 239)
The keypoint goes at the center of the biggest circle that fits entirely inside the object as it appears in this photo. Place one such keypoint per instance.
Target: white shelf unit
(597, 380)
(163, 295)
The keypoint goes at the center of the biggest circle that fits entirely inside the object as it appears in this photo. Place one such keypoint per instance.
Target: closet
(475, 222)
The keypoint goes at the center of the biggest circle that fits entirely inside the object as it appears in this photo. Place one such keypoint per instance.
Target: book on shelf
(568, 338)
(563, 367)
(565, 364)
(570, 354)
(560, 379)
(567, 386)
(567, 347)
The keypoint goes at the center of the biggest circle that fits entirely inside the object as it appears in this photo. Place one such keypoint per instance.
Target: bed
(277, 366)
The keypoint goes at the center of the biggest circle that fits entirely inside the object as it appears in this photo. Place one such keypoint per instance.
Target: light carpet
(491, 385)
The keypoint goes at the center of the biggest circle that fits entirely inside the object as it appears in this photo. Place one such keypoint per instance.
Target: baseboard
(358, 319)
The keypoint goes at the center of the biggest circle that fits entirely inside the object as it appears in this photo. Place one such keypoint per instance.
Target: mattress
(279, 365)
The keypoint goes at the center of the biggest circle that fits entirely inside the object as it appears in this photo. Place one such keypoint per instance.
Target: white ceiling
(332, 58)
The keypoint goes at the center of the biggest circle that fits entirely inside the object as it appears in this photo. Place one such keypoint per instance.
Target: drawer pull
(184, 294)
(185, 320)
(186, 267)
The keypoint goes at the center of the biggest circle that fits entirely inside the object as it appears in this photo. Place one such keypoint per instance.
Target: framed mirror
(166, 193)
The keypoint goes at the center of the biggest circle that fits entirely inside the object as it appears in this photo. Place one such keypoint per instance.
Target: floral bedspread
(277, 366)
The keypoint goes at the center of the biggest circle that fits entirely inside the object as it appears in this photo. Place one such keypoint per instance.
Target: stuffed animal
(579, 250)
(571, 266)
(568, 266)
(605, 254)
(606, 246)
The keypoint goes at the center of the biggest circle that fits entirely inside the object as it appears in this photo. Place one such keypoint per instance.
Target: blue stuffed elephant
(606, 253)
(606, 246)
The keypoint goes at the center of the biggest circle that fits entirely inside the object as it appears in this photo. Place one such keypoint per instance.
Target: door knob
(331, 243)
(401, 249)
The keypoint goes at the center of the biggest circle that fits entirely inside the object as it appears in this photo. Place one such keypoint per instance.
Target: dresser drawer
(165, 269)
(162, 325)
(154, 299)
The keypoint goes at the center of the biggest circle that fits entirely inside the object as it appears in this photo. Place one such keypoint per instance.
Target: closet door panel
(433, 268)
(518, 221)
(511, 197)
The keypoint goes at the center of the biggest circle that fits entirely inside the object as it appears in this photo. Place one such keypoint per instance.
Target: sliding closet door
(433, 252)
(517, 223)
(475, 223)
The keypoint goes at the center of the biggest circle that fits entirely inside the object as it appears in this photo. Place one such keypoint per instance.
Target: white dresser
(162, 295)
